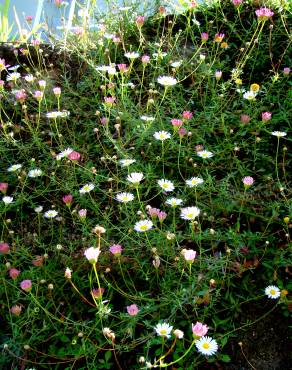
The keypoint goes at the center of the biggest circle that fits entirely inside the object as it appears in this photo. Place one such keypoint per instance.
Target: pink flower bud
(161, 216)
(13, 273)
(133, 310)
(38, 95)
(182, 132)
(176, 122)
(187, 115)
(57, 91)
(264, 13)
(237, 2)
(199, 329)
(82, 213)
(218, 75)
(4, 248)
(20, 96)
(204, 36)
(74, 156)
(26, 285)
(266, 116)
(248, 181)
(286, 71)
(122, 68)
(3, 187)
(145, 59)
(42, 84)
(219, 37)
(29, 18)
(189, 255)
(140, 20)
(67, 199)
(116, 249)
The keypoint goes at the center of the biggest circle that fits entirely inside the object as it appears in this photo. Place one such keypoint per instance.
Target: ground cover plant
(145, 205)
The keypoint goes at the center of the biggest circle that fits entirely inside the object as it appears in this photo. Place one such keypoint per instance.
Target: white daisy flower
(205, 154)
(249, 95)
(166, 185)
(189, 213)
(38, 209)
(147, 118)
(29, 78)
(135, 177)
(101, 68)
(35, 173)
(7, 199)
(173, 202)
(167, 81)
(176, 64)
(51, 213)
(194, 181)
(162, 135)
(207, 346)
(163, 330)
(272, 292)
(14, 167)
(279, 133)
(53, 115)
(14, 76)
(124, 197)
(126, 162)
(92, 254)
(86, 188)
(161, 55)
(64, 153)
(132, 55)
(143, 225)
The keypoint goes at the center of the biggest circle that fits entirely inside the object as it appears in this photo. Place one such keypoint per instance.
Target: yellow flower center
(206, 345)
(163, 332)
(190, 215)
(144, 227)
(273, 292)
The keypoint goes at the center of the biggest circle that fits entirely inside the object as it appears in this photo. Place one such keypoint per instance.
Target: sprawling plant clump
(145, 185)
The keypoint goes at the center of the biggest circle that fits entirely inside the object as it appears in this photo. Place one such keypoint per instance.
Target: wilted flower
(163, 330)
(207, 346)
(143, 225)
(272, 292)
(4, 248)
(16, 310)
(97, 293)
(50, 214)
(38, 261)
(13, 273)
(178, 333)
(166, 185)
(189, 213)
(199, 329)
(133, 310)
(107, 332)
(254, 87)
(92, 254)
(245, 118)
(68, 273)
(26, 285)
(167, 81)
(38, 209)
